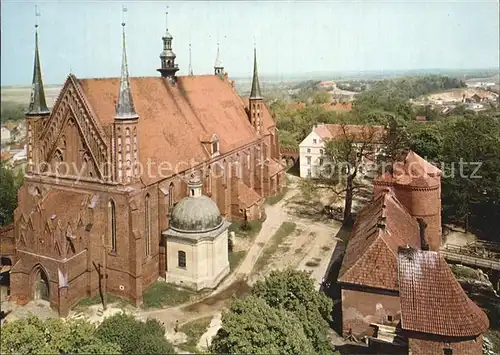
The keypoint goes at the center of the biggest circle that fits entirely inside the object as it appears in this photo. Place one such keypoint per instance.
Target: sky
(291, 37)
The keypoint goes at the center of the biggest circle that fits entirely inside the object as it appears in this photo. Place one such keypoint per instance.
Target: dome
(195, 215)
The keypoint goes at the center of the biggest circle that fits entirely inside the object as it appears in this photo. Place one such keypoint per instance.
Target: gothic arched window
(112, 225)
(147, 225)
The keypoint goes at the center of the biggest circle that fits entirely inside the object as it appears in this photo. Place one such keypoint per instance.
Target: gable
(308, 141)
(87, 142)
(174, 120)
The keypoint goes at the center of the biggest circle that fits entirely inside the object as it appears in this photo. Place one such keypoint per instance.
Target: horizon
(456, 36)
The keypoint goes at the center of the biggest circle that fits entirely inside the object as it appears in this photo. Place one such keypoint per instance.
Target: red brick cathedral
(110, 160)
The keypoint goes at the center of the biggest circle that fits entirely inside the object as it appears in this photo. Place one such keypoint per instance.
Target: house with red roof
(392, 274)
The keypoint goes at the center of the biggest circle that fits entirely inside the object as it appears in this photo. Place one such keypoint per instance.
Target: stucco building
(392, 273)
(110, 161)
(312, 148)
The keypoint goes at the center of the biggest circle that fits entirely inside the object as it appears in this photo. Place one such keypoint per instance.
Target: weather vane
(166, 19)
(37, 15)
(124, 9)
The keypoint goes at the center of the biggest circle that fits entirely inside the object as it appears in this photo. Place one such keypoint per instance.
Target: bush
(135, 336)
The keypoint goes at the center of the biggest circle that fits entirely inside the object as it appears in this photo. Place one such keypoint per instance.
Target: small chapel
(134, 179)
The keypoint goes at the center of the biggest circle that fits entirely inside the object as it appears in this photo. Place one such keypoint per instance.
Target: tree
(427, 142)
(53, 336)
(135, 336)
(321, 97)
(251, 326)
(344, 157)
(294, 291)
(396, 142)
(9, 184)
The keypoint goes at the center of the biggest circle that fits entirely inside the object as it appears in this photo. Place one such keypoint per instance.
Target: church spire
(38, 105)
(190, 69)
(255, 92)
(125, 106)
(218, 67)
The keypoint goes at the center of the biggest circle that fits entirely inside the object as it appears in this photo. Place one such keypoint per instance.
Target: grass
(272, 200)
(283, 231)
(194, 330)
(95, 300)
(253, 228)
(235, 258)
(161, 295)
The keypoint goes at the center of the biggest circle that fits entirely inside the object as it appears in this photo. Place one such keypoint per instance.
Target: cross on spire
(124, 9)
(190, 69)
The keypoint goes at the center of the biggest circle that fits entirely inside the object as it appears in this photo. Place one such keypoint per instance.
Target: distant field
(457, 94)
(21, 94)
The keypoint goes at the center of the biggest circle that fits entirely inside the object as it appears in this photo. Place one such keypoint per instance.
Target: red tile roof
(358, 133)
(338, 107)
(414, 170)
(432, 300)
(247, 196)
(380, 228)
(175, 119)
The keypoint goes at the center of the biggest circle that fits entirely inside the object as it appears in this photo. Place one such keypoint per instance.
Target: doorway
(42, 291)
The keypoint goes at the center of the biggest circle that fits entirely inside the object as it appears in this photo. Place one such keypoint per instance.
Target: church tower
(218, 67)
(167, 56)
(256, 101)
(125, 128)
(37, 109)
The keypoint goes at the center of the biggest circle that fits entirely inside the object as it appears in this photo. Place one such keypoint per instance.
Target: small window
(309, 150)
(308, 160)
(181, 258)
(192, 192)
(447, 351)
(320, 161)
(389, 318)
(215, 147)
(315, 141)
(321, 151)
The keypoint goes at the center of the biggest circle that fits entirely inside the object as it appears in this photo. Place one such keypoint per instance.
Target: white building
(311, 149)
(5, 135)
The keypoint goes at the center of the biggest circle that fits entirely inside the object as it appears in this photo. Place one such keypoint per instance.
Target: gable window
(309, 150)
(147, 225)
(447, 351)
(389, 318)
(315, 141)
(215, 147)
(112, 225)
(181, 259)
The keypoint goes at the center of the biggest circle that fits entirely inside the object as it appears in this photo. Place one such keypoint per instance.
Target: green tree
(295, 292)
(321, 97)
(251, 326)
(344, 158)
(53, 336)
(9, 184)
(135, 336)
(427, 141)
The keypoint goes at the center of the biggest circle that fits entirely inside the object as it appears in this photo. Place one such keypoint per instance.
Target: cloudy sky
(291, 37)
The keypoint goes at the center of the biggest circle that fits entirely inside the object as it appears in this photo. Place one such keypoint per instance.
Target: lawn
(95, 300)
(161, 295)
(253, 228)
(235, 258)
(273, 245)
(194, 330)
(272, 200)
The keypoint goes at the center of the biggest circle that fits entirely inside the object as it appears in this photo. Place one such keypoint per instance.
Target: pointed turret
(38, 105)
(218, 67)
(190, 69)
(126, 139)
(255, 92)
(256, 101)
(125, 107)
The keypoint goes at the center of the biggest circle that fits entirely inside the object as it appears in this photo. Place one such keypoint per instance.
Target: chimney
(422, 226)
